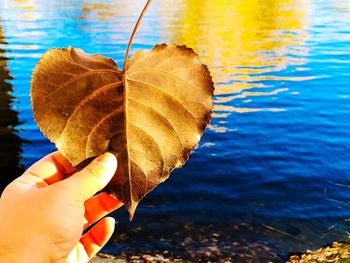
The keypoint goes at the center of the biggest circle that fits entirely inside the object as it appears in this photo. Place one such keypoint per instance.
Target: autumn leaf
(151, 117)
(151, 114)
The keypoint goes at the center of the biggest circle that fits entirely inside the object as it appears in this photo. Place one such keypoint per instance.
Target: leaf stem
(133, 33)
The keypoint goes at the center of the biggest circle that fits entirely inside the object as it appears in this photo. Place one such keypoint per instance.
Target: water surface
(263, 181)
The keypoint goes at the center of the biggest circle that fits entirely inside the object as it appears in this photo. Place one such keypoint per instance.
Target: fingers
(78, 254)
(98, 236)
(93, 177)
(50, 169)
(98, 206)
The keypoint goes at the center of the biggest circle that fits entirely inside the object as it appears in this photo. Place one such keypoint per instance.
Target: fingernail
(106, 158)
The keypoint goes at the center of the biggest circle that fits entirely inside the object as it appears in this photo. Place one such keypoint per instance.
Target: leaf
(151, 117)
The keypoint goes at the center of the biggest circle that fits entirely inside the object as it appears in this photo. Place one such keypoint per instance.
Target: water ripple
(280, 129)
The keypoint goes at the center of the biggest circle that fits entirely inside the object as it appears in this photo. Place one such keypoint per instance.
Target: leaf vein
(72, 61)
(97, 125)
(77, 77)
(88, 98)
(138, 150)
(162, 116)
(144, 174)
(141, 59)
(166, 93)
(168, 73)
(115, 67)
(153, 140)
(163, 62)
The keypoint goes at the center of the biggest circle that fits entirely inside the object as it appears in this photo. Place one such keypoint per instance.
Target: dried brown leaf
(151, 117)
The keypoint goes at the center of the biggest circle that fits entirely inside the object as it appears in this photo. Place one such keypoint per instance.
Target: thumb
(93, 177)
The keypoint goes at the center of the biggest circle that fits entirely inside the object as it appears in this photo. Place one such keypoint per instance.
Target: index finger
(52, 168)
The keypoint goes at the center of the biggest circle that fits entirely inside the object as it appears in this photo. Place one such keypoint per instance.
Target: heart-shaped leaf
(151, 116)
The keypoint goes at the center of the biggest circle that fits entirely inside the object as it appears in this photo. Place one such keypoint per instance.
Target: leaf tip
(132, 209)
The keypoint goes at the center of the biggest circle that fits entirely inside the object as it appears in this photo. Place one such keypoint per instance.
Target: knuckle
(95, 173)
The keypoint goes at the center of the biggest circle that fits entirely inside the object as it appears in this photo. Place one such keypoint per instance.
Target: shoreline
(106, 258)
(338, 252)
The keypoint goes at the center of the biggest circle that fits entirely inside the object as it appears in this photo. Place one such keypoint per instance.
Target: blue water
(265, 178)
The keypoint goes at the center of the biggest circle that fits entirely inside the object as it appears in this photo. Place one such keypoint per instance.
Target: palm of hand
(56, 209)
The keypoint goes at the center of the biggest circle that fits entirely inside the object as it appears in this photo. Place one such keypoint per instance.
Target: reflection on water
(245, 42)
(256, 184)
(10, 143)
(109, 11)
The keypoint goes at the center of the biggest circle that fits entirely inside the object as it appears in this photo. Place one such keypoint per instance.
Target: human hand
(43, 213)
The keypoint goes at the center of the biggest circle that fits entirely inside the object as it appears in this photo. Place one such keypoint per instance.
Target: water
(265, 178)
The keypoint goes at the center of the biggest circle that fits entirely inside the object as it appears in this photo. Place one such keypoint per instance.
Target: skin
(44, 212)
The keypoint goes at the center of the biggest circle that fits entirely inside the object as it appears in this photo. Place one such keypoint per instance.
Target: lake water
(270, 174)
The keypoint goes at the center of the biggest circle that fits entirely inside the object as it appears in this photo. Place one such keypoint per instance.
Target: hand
(43, 213)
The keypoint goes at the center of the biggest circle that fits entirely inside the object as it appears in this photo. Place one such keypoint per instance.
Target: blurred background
(271, 172)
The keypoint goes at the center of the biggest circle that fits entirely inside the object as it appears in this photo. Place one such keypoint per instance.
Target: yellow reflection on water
(110, 10)
(118, 18)
(244, 42)
(29, 6)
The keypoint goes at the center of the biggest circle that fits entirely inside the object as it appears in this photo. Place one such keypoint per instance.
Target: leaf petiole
(133, 33)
